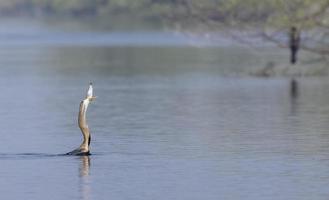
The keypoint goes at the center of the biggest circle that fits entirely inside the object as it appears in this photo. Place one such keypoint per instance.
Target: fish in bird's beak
(90, 96)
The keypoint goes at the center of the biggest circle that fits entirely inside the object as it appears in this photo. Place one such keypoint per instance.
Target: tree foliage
(269, 19)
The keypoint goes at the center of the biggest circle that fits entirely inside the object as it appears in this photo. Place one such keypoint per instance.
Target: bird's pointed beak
(92, 98)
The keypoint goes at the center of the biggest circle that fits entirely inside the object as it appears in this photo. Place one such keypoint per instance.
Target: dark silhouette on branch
(294, 44)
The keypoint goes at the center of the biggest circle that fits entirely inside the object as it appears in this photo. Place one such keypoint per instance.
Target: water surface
(168, 123)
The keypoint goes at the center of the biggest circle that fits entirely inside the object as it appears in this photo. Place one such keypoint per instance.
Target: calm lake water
(170, 122)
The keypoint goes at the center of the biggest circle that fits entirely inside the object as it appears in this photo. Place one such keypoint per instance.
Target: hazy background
(253, 25)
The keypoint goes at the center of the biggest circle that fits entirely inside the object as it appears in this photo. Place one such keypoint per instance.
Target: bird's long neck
(83, 124)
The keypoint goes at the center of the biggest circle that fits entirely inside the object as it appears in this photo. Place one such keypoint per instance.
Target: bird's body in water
(84, 148)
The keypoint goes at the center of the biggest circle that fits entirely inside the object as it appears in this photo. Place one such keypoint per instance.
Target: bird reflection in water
(294, 93)
(84, 167)
(294, 88)
(84, 179)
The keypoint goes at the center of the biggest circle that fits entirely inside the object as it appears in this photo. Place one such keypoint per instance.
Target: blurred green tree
(269, 19)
